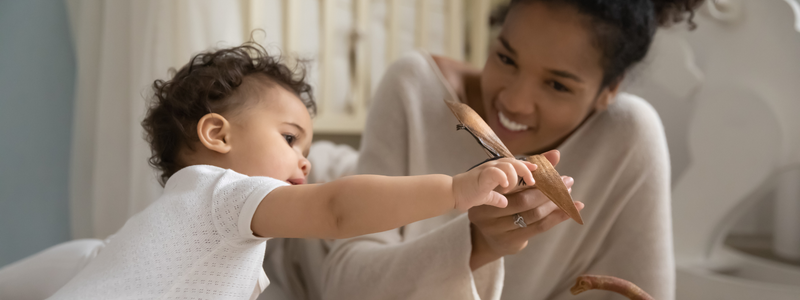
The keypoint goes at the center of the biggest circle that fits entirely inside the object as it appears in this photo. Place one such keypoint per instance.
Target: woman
(551, 81)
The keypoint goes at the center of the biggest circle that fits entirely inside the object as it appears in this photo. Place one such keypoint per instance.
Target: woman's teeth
(511, 125)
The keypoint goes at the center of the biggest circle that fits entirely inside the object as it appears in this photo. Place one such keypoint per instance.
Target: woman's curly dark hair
(204, 86)
(623, 29)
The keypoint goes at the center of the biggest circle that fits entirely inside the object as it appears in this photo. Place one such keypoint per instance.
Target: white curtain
(121, 48)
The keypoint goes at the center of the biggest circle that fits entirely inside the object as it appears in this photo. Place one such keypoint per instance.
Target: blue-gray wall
(37, 77)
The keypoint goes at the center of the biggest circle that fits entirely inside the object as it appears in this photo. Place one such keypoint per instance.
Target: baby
(229, 134)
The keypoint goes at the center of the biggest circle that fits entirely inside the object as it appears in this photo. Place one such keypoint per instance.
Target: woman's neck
(472, 93)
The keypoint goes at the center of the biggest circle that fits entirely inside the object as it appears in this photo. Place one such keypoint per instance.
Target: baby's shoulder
(193, 177)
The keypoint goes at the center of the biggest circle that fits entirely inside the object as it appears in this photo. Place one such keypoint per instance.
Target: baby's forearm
(369, 203)
(352, 206)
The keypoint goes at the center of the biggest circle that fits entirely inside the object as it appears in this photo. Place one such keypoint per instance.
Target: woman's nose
(305, 166)
(519, 98)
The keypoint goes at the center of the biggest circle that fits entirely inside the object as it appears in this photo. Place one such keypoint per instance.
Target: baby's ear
(214, 131)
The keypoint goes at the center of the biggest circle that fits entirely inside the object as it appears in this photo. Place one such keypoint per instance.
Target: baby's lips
(296, 181)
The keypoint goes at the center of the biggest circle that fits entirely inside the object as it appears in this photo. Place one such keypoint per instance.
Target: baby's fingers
(490, 178)
(510, 170)
(496, 199)
(524, 170)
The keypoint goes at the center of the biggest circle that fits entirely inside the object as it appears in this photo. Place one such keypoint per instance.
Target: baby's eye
(290, 138)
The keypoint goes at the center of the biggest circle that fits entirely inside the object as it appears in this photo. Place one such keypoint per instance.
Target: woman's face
(541, 78)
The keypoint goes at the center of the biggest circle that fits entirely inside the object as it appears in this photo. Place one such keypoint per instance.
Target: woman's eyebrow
(507, 45)
(566, 74)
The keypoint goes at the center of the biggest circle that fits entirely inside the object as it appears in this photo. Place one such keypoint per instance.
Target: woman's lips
(506, 135)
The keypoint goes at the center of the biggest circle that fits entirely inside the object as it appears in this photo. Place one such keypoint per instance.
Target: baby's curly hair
(205, 85)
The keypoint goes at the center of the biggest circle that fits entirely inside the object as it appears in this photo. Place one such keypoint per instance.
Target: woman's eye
(290, 138)
(559, 87)
(505, 59)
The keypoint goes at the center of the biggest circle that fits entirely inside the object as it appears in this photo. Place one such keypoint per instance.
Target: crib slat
(421, 16)
(454, 30)
(326, 54)
(479, 32)
(350, 121)
(289, 16)
(393, 29)
(252, 16)
(361, 89)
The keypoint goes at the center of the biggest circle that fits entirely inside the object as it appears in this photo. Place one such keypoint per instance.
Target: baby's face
(272, 137)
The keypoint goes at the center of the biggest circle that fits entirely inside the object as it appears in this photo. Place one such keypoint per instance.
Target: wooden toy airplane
(547, 178)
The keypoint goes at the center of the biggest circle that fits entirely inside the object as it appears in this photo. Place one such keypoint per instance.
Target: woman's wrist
(481, 254)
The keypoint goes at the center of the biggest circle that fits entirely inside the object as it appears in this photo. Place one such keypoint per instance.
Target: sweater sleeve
(387, 265)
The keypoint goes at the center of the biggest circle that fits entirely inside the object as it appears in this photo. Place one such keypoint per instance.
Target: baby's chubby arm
(362, 204)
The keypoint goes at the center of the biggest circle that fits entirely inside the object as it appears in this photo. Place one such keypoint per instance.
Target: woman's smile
(509, 124)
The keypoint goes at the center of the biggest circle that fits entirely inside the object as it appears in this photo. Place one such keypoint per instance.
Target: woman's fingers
(544, 224)
(537, 214)
(568, 181)
(554, 156)
(505, 224)
(519, 202)
(497, 226)
(542, 210)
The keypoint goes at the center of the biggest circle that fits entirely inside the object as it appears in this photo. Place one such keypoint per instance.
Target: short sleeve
(234, 201)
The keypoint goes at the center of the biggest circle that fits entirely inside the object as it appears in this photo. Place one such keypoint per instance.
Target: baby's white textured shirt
(194, 242)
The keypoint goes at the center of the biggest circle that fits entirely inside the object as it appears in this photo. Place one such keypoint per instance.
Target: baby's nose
(305, 166)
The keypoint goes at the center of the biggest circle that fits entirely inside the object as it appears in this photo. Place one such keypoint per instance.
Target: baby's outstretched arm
(363, 204)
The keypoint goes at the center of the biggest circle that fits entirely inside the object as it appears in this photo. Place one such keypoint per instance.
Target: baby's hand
(486, 183)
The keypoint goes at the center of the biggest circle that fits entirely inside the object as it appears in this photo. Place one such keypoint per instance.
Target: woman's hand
(494, 231)
(485, 184)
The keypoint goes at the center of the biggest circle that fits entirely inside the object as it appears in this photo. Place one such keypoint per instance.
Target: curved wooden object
(609, 283)
(547, 178)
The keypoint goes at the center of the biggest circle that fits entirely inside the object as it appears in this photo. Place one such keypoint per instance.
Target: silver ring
(519, 221)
